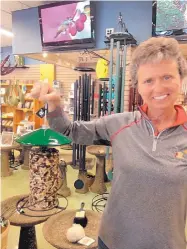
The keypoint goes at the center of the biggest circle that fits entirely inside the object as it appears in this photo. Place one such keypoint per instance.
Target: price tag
(41, 112)
(86, 241)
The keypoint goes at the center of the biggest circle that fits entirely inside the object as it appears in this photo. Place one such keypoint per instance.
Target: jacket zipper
(155, 138)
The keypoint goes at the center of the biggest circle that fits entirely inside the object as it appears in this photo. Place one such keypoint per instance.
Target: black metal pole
(27, 239)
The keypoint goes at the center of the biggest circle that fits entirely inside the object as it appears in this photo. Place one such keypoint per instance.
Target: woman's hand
(44, 92)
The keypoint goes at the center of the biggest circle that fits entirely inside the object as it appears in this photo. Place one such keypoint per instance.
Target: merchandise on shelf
(20, 107)
(7, 115)
(2, 91)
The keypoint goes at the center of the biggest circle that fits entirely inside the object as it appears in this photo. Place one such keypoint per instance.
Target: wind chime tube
(82, 118)
(110, 84)
(75, 99)
(74, 119)
(117, 84)
(110, 76)
(85, 98)
(85, 117)
(104, 99)
(78, 113)
(93, 84)
(134, 100)
(82, 97)
(123, 77)
(79, 98)
(89, 95)
(99, 100)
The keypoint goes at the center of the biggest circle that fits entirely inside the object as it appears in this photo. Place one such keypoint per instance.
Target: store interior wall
(5, 51)
(137, 16)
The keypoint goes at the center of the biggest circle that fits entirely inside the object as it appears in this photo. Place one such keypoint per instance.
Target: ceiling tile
(5, 41)
(7, 7)
(6, 20)
(10, 6)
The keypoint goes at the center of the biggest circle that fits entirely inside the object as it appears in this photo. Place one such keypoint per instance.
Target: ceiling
(6, 9)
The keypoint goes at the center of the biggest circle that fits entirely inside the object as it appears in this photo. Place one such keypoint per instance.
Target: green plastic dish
(43, 137)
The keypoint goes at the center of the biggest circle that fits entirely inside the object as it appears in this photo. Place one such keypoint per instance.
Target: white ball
(75, 233)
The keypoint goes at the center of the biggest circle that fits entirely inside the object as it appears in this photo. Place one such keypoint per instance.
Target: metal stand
(27, 239)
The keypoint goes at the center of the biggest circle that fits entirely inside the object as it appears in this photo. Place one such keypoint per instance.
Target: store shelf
(26, 84)
(20, 84)
(24, 109)
(25, 79)
(7, 117)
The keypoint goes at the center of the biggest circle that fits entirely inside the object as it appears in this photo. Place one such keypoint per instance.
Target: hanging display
(83, 107)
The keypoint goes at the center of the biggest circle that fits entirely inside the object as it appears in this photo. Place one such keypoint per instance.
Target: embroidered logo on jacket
(181, 154)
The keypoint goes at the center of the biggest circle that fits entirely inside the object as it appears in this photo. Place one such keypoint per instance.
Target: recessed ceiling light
(6, 32)
(45, 54)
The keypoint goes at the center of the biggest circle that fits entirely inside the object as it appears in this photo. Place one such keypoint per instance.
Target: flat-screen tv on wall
(170, 18)
(67, 25)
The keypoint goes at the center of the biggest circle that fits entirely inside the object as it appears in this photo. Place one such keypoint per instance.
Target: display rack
(13, 115)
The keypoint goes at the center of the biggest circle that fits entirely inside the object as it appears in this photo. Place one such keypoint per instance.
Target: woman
(147, 206)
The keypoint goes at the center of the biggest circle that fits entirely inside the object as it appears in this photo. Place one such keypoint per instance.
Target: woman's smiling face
(159, 83)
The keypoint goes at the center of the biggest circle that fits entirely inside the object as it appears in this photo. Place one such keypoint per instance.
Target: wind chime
(83, 109)
(116, 83)
(118, 40)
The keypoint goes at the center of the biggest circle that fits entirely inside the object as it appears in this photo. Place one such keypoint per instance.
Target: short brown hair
(157, 48)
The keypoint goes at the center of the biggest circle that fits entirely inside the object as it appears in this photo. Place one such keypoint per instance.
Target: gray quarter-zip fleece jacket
(147, 206)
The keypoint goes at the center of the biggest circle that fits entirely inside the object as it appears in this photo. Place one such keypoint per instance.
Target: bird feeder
(45, 179)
